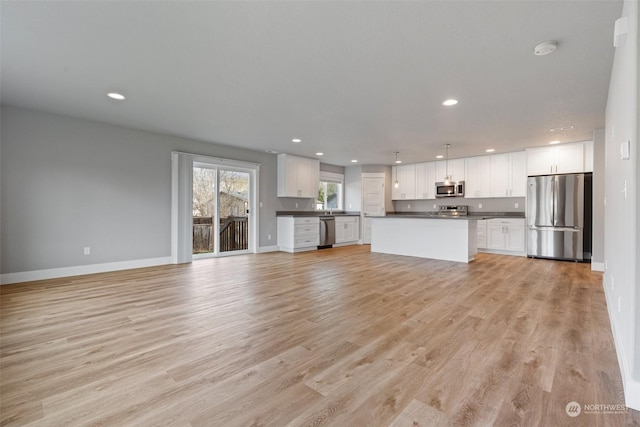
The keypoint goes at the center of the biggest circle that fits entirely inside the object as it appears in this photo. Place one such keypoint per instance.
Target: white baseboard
(501, 252)
(631, 386)
(597, 266)
(263, 249)
(54, 273)
(337, 245)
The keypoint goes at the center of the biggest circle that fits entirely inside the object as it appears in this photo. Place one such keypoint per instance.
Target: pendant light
(397, 184)
(447, 177)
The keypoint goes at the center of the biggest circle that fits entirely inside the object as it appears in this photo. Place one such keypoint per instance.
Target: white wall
(621, 214)
(597, 242)
(69, 183)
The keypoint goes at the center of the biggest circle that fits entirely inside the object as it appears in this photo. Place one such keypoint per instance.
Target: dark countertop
(472, 216)
(428, 215)
(316, 213)
(498, 214)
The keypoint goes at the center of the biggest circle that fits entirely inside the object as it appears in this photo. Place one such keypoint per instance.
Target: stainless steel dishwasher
(327, 232)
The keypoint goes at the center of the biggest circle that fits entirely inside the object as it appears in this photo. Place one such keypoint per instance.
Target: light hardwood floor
(338, 337)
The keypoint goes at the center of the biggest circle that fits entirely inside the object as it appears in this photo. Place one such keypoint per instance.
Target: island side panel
(444, 239)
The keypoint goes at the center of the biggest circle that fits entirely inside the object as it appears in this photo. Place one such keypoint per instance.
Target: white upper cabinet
(405, 177)
(298, 176)
(508, 174)
(455, 167)
(477, 177)
(426, 180)
(564, 158)
(518, 178)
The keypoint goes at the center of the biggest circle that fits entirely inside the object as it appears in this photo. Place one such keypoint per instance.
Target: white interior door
(372, 202)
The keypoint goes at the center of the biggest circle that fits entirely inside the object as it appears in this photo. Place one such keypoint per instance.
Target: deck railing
(234, 234)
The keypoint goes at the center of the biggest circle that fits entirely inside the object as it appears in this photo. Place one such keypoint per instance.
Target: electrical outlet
(408, 206)
(268, 236)
(435, 206)
(260, 204)
(605, 264)
(479, 205)
(296, 205)
(87, 250)
(516, 205)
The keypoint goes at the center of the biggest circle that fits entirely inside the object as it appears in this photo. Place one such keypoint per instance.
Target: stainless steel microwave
(452, 189)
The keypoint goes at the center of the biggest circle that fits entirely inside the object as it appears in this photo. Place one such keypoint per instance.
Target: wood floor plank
(417, 414)
(333, 337)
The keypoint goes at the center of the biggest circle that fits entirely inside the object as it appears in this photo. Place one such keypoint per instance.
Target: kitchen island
(425, 236)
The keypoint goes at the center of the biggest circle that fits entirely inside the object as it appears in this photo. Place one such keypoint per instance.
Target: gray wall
(69, 183)
(597, 251)
(325, 167)
(353, 188)
(621, 220)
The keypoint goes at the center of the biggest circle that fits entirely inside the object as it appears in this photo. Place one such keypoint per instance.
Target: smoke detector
(545, 48)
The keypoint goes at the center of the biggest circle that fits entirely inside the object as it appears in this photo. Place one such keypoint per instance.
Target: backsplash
(289, 204)
(505, 204)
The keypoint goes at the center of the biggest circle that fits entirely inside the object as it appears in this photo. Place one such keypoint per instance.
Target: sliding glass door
(233, 210)
(221, 209)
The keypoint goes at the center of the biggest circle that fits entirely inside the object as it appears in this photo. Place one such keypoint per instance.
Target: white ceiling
(353, 79)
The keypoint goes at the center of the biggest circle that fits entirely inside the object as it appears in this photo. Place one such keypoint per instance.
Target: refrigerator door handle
(555, 228)
(554, 199)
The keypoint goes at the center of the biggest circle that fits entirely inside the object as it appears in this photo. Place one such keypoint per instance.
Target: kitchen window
(330, 192)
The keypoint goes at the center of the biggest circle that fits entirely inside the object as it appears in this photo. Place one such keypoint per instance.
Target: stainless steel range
(453, 211)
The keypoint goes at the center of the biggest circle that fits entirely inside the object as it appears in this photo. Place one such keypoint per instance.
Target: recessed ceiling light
(440, 156)
(450, 102)
(545, 48)
(562, 128)
(554, 142)
(398, 161)
(354, 161)
(490, 150)
(117, 96)
(296, 140)
(319, 154)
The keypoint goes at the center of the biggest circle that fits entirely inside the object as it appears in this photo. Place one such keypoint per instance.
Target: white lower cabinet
(297, 234)
(481, 238)
(347, 229)
(506, 235)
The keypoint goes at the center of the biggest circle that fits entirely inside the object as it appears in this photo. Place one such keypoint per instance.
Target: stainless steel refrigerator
(556, 216)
